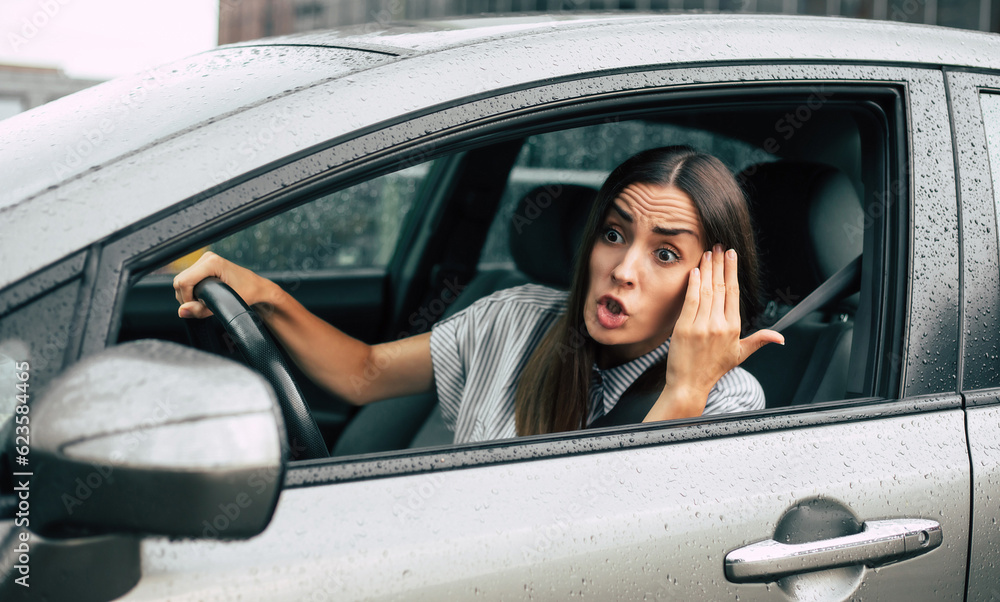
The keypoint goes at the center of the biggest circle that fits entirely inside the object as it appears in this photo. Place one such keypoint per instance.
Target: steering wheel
(261, 353)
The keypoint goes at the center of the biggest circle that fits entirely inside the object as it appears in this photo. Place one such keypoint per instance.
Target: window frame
(232, 209)
(979, 297)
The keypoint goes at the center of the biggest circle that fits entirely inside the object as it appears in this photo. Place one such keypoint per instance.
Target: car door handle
(879, 542)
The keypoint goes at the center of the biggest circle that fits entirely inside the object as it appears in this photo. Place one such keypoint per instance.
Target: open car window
(812, 169)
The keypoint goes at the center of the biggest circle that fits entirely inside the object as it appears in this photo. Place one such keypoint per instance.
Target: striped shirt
(478, 355)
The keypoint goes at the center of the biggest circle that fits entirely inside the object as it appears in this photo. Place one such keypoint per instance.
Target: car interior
(390, 256)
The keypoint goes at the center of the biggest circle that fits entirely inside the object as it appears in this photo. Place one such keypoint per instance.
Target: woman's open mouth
(611, 313)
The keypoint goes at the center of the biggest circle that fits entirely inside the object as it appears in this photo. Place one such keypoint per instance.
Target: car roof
(95, 162)
(913, 42)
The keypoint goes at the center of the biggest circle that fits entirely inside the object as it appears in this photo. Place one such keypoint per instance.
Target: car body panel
(652, 522)
(980, 304)
(725, 37)
(984, 553)
(979, 298)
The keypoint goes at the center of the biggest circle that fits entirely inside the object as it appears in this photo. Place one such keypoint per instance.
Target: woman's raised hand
(248, 285)
(706, 343)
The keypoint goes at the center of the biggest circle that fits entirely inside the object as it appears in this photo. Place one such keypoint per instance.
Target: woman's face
(648, 243)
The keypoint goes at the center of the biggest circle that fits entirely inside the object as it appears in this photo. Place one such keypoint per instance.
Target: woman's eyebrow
(657, 229)
(624, 214)
(673, 231)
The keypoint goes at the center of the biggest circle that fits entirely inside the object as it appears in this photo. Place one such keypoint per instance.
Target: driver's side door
(658, 511)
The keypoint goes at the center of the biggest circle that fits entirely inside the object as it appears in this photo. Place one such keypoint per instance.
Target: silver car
(388, 178)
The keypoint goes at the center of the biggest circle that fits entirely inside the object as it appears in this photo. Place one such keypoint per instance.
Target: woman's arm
(706, 343)
(357, 372)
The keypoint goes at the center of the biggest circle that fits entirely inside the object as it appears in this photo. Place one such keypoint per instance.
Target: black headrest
(810, 223)
(546, 229)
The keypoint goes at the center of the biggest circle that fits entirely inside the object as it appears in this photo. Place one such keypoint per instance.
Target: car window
(815, 192)
(811, 202)
(357, 227)
(587, 155)
(990, 102)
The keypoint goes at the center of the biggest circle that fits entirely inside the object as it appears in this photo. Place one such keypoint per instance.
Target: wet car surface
(385, 178)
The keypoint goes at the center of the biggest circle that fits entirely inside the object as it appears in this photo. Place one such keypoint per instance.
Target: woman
(666, 238)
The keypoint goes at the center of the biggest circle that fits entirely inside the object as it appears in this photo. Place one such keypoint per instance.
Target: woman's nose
(626, 271)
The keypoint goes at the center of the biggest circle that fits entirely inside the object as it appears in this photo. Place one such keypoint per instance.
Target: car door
(975, 99)
(654, 511)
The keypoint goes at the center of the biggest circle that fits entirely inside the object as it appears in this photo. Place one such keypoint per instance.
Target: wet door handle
(879, 542)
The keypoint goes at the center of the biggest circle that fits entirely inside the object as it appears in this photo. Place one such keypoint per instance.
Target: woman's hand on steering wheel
(231, 289)
(248, 285)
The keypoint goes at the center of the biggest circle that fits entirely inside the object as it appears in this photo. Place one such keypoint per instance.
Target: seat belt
(639, 398)
(847, 279)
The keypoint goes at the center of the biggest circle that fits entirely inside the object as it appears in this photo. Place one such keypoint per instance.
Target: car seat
(811, 224)
(545, 233)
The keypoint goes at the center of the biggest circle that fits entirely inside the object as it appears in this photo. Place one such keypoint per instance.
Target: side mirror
(147, 438)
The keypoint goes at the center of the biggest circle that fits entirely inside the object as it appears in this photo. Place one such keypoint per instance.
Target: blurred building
(24, 87)
(241, 20)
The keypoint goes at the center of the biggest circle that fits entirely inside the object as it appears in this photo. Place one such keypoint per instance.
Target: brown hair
(553, 392)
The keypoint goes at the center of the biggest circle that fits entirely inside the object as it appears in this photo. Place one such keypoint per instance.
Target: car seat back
(545, 233)
(811, 223)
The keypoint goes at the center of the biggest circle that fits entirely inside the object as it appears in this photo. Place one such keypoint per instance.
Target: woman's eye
(612, 235)
(666, 256)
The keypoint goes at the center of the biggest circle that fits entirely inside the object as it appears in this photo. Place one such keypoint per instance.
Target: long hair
(553, 392)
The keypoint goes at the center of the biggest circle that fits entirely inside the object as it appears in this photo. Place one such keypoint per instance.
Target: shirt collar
(613, 382)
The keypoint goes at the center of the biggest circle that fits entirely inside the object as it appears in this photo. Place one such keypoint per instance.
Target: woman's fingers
(719, 277)
(732, 311)
(183, 292)
(193, 309)
(707, 286)
(757, 340)
(184, 283)
(712, 300)
(691, 298)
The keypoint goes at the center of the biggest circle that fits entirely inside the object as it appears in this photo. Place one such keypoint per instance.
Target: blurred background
(50, 48)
